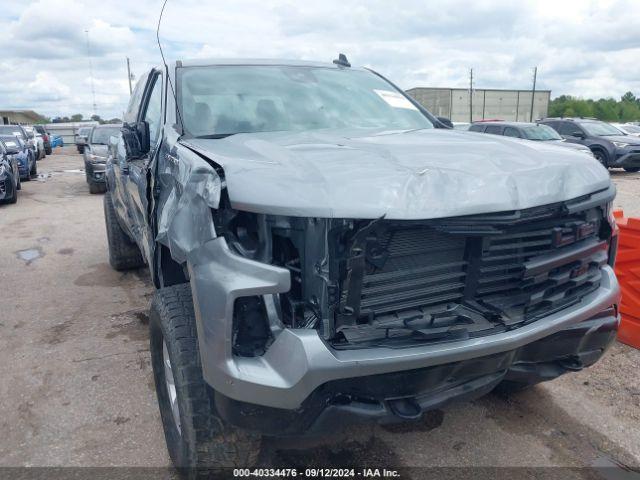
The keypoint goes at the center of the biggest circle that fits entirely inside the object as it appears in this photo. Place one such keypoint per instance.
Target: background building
(19, 116)
(510, 105)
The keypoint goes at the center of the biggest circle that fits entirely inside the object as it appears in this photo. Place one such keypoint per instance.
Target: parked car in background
(56, 140)
(96, 150)
(324, 251)
(629, 129)
(45, 138)
(17, 131)
(36, 138)
(527, 131)
(81, 138)
(9, 176)
(610, 146)
(22, 133)
(27, 165)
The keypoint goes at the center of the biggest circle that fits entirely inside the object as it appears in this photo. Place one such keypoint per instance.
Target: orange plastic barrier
(628, 272)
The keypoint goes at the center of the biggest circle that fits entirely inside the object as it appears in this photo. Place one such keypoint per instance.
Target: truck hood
(422, 174)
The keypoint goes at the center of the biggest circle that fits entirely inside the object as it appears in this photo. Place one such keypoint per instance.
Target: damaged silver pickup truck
(325, 251)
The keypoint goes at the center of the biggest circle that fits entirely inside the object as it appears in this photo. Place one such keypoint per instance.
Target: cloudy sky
(584, 48)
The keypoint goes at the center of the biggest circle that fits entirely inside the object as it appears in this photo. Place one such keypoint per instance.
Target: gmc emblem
(562, 236)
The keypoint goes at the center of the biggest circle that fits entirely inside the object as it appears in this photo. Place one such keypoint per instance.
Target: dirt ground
(76, 387)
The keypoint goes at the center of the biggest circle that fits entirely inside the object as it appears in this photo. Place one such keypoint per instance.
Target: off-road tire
(97, 187)
(123, 252)
(204, 443)
(632, 169)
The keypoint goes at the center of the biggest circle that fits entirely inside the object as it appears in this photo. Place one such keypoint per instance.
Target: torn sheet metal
(189, 189)
(401, 175)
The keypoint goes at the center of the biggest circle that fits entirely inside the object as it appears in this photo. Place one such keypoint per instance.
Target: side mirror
(143, 134)
(136, 139)
(579, 135)
(445, 121)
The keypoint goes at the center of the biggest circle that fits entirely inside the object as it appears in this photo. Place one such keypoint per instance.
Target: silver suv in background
(96, 150)
(81, 138)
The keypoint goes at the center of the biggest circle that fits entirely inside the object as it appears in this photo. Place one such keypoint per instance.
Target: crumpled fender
(189, 188)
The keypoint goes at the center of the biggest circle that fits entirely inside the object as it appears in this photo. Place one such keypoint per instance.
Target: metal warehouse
(511, 105)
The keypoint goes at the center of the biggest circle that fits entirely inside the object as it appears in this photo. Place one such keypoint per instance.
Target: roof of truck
(205, 62)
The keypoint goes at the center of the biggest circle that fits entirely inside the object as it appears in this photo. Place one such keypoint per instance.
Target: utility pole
(129, 76)
(533, 92)
(93, 90)
(471, 96)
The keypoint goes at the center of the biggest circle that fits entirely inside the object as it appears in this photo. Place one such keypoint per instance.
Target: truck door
(138, 169)
(119, 171)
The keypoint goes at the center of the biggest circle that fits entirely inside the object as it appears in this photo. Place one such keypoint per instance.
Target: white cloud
(584, 48)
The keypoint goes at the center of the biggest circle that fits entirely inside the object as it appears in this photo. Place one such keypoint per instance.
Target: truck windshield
(541, 133)
(223, 100)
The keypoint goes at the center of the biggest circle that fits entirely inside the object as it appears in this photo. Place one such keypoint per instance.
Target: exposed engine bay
(365, 283)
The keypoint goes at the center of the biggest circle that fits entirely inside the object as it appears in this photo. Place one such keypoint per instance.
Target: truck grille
(423, 268)
(513, 273)
(525, 276)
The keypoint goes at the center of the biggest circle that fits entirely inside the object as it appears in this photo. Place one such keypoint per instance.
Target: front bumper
(405, 396)
(626, 159)
(299, 361)
(95, 172)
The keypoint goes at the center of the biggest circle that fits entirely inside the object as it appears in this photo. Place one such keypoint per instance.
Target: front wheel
(600, 156)
(197, 439)
(97, 187)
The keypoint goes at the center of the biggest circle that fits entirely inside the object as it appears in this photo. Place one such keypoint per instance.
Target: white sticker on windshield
(395, 99)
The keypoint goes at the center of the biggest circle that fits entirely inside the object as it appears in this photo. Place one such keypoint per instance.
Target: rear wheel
(123, 252)
(197, 439)
(632, 169)
(34, 171)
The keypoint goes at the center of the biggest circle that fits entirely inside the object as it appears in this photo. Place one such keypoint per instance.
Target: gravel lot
(76, 387)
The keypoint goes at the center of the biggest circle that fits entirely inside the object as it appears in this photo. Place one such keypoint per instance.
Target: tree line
(627, 109)
(78, 117)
